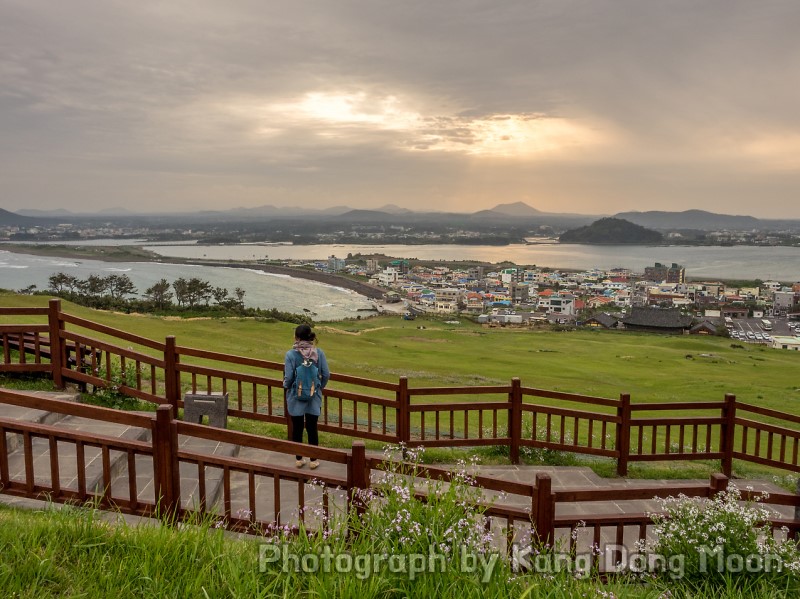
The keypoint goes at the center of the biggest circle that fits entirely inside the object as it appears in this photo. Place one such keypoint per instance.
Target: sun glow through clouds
(493, 135)
(382, 113)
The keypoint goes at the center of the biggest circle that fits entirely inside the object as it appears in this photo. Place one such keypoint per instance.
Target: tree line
(188, 293)
(184, 296)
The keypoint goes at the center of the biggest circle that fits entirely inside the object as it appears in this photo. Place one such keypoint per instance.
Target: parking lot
(751, 330)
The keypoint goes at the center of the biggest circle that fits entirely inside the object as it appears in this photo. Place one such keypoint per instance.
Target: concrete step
(190, 482)
(67, 455)
(33, 416)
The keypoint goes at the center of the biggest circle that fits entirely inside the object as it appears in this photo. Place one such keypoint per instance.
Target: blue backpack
(306, 380)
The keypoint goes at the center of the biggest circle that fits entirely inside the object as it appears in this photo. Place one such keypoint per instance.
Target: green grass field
(651, 368)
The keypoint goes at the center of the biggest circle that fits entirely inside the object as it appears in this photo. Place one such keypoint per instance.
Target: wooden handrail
(230, 358)
(482, 390)
(27, 328)
(109, 347)
(458, 407)
(770, 428)
(106, 330)
(677, 420)
(600, 401)
(220, 435)
(60, 406)
(745, 407)
(8, 311)
(588, 494)
(674, 405)
(584, 415)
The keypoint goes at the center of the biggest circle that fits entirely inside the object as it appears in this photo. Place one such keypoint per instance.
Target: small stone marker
(214, 405)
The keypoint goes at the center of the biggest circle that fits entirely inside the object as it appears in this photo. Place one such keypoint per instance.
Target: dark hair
(304, 333)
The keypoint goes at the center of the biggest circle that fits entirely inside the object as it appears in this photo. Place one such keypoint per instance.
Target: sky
(571, 106)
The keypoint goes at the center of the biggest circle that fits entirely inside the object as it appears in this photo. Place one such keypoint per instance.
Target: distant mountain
(611, 231)
(16, 220)
(335, 210)
(264, 212)
(255, 211)
(691, 219)
(115, 211)
(58, 212)
(394, 209)
(514, 215)
(364, 216)
(516, 209)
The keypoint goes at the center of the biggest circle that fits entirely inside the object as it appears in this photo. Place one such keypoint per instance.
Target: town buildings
(658, 299)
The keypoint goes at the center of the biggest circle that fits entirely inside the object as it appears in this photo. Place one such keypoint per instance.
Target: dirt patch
(427, 340)
(328, 329)
(187, 319)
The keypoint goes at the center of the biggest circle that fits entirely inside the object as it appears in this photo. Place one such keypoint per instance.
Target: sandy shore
(365, 289)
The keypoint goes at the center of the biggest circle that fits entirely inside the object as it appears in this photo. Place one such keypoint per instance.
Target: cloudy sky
(586, 106)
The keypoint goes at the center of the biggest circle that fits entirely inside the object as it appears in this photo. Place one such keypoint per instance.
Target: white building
(792, 343)
(388, 277)
(557, 303)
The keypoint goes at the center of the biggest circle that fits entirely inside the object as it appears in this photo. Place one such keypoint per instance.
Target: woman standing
(303, 411)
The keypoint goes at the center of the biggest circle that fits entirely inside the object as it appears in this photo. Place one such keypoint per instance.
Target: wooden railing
(89, 447)
(271, 496)
(514, 416)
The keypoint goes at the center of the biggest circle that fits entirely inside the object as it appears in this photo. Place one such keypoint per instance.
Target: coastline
(105, 253)
(365, 289)
(137, 254)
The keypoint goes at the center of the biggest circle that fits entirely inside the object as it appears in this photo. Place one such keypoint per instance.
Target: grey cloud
(132, 92)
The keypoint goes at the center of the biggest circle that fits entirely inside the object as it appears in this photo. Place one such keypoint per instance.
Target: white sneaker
(300, 463)
(314, 464)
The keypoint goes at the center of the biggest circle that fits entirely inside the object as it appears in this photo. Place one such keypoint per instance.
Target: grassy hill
(652, 368)
(611, 231)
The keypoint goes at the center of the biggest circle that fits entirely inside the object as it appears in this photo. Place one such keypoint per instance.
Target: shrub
(724, 542)
(448, 519)
(111, 395)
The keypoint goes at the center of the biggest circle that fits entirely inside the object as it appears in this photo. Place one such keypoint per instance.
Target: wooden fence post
(623, 441)
(717, 484)
(727, 431)
(402, 413)
(172, 388)
(357, 476)
(796, 509)
(515, 420)
(165, 463)
(545, 509)
(57, 346)
(289, 425)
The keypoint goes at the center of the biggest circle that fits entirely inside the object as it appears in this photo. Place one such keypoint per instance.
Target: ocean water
(322, 302)
(707, 262)
(325, 302)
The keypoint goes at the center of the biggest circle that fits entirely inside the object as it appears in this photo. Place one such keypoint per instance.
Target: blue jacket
(314, 405)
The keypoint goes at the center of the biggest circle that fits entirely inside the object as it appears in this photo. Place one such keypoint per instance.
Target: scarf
(307, 350)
